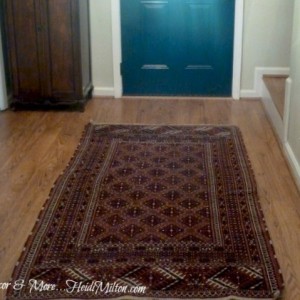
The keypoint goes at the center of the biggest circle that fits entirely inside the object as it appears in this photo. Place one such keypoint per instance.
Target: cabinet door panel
(61, 47)
(23, 42)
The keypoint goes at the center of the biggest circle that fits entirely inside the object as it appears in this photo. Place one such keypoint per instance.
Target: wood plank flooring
(35, 147)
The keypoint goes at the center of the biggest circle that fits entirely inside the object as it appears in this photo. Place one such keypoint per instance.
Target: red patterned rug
(152, 212)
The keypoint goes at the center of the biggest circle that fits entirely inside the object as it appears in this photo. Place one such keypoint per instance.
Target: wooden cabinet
(49, 46)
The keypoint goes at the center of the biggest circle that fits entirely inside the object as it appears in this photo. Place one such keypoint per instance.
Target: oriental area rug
(151, 212)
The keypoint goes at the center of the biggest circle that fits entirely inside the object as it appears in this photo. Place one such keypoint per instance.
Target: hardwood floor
(35, 147)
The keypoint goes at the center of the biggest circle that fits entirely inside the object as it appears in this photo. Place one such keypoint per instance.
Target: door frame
(237, 52)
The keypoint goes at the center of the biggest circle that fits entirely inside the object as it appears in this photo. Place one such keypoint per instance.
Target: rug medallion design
(173, 209)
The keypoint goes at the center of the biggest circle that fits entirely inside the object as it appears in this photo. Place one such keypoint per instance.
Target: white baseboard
(293, 162)
(249, 94)
(104, 91)
(256, 92)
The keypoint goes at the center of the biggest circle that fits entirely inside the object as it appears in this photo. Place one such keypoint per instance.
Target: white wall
(267, 36)
(3, 94)
(294, 111)
(101, 45)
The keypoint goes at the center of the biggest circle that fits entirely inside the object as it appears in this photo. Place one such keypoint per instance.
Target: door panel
(154, 14)
(177, 47)
(60, 34)
(23, 40)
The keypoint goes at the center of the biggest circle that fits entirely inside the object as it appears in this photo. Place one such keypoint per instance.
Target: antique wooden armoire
(48, 43)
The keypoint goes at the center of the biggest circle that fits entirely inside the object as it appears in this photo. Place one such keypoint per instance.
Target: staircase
(273, 97)
(276, 87)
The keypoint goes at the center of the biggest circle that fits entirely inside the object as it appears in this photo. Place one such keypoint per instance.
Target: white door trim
(238, 49)
(117, 47)
(237, 56)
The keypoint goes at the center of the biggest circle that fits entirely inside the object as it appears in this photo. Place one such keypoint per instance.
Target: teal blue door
(177, 47)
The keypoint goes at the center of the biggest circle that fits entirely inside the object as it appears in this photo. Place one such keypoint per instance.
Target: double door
(177, 47)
